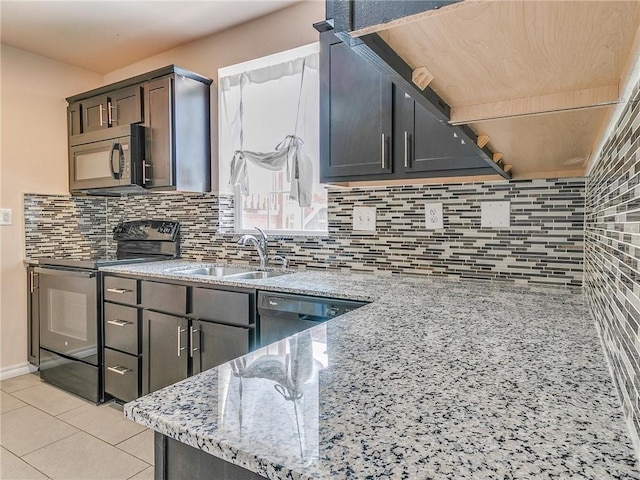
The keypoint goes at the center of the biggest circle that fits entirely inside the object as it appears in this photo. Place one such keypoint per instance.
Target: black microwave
(109, 161)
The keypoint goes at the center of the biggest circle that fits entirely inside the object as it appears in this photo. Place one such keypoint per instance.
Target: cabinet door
(165, 355)
(95, 114)
(126, 106)
(355, 114)
(423, 144)
(213, 344)
(33, 314)
(75, 125)
(158, 100)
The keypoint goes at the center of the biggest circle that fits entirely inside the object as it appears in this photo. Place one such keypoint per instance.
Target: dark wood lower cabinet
(175, 460)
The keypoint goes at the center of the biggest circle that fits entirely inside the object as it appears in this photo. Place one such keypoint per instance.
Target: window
(269, 142)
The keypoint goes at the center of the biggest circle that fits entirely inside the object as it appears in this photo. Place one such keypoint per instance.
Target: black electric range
(69, 297)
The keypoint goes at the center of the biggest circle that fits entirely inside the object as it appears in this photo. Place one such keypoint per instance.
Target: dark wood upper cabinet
(95, 113)
(157, 104)
(356, 114)
(125, 106)
(423, 144)
(371, 130)
(173, 105)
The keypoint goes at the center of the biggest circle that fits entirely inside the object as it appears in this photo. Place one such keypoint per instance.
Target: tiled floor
(46, 432)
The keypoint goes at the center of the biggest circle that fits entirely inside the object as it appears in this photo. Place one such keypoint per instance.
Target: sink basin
(232, 273)
(212, 271)
(255, 275)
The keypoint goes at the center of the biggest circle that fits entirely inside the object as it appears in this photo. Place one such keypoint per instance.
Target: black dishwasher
(283, 315)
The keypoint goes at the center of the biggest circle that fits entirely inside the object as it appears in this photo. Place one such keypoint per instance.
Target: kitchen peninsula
(434, 379)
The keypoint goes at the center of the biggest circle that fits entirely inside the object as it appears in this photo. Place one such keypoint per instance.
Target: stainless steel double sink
(227, 273)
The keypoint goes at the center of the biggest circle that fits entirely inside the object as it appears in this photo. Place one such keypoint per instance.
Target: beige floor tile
(50, 399)
(9, 402)
(12, 468)
(102, 421)
(20, 383)
(84, 457)
(26, 429)
(140, 446)
(146, 474)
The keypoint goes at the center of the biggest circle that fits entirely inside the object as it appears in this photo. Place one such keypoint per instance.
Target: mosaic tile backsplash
(612, 255)
(544, 243)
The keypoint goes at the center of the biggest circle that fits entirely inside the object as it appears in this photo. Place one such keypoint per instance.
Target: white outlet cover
(433, 216)
(364, 219)
(5, 216)
(495, 214)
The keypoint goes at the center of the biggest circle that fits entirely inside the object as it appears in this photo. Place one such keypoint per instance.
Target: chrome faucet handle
(284, 260)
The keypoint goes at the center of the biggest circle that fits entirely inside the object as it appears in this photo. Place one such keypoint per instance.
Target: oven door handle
(66, 273)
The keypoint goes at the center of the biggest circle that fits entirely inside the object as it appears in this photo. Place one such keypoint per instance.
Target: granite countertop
(435, 379)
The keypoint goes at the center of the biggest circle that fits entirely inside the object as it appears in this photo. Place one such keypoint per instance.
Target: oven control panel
(156, 230)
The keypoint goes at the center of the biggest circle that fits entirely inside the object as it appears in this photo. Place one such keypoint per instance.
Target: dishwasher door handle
(66, 273)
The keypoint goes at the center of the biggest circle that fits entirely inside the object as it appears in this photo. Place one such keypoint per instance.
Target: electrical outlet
(364, 219)
(495, 214)
(5, 216)
(434, 219)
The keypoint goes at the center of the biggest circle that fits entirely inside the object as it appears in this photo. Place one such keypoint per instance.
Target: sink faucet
(261, 246)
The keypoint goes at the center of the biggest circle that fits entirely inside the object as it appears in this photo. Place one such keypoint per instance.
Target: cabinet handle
(118, 323)
(118, 290)
(406, 149)
(180, 347)
(193, 349)
(110, 108)
(145, 165)
(383, 151)
(31, 282)
(119, 370)
(102, 109)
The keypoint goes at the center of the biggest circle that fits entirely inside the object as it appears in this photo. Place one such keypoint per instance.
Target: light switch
(495, 214)
(433, 216)
(364, 219)
(5, 216)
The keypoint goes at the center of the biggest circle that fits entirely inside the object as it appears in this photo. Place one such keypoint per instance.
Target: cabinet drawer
(121, 328)
(164, 297)
(121, 290)
(221, 306)
(120, 375)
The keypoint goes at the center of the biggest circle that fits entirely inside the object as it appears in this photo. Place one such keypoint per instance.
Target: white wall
(34, 137)
(34, 160)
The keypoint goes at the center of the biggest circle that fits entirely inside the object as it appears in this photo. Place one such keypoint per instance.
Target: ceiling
(103, 36)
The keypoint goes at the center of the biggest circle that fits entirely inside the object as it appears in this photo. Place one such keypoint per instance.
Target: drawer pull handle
(118, 290)
(119, 370)
(118, 323)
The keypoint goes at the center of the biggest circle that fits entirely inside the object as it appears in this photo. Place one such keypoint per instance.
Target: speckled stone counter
(435, 379)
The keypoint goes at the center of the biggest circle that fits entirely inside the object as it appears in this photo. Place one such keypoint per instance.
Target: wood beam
(372, 17)
(553, 103)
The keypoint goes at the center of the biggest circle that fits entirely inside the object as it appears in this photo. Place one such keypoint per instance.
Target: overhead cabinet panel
(357, 103)
(159, 126)
(126, 106)
(95, 114)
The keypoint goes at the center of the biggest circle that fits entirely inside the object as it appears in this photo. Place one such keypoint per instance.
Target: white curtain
(266, 125)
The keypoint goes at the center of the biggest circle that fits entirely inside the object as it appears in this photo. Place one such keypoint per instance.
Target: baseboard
(16, 370)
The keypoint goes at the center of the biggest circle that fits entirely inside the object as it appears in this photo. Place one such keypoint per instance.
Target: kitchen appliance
(70, 304)
(109, 161)
(282, 315)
